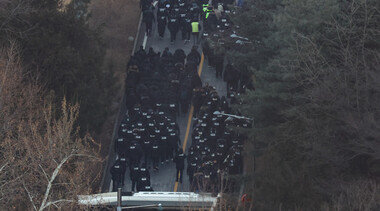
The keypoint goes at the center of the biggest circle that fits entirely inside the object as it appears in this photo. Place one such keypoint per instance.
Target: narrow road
(164, 179)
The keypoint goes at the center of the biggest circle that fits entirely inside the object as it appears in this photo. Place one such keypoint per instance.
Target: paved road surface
(164, 179)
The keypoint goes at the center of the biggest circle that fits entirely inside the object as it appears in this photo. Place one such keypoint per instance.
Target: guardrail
(168, 200)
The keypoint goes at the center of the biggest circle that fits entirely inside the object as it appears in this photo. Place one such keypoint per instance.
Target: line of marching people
(176, 16)
(215, 150)
(158, 88)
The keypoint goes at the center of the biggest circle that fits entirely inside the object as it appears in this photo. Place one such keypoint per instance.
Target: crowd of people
(215, 150)
(160, 86)
(182, 16)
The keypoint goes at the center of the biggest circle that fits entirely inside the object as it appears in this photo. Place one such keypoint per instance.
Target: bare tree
(43, 160)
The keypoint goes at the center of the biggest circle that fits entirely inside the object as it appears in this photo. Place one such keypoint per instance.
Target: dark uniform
(135, 153)
(173, 26)
(194, 56)
(143, 183)
(155, 154)
(145, 4)
(134, 174)
(231, 76)
(161, 24)
(219, 63)
(121, 146)
(148, 19)
(117, 173)
(179, 56)
(179, 164)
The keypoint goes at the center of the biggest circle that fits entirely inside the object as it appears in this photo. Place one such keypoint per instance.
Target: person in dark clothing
(179, 164)
(164, 146)
(140, 54)
(148, 19)
(185, 98)
(231, 76)
(194, 56)
(166, 53)
(161, 12)
(147, 147)
(135, 153)
(211, 22)
(145, 4)
(173, 27)
(196, 81)
(161, 25)
(144, 172)
(121, 146)
(179, 56)
(143, 183)
(155, 154)
(151, 54)
(186, 28)
(117, 173)
(174, 142)
(219, 61)
(206, 48)
(134, 174)
(197, 101)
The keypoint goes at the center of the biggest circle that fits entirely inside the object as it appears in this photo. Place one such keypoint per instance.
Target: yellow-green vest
(195, 26)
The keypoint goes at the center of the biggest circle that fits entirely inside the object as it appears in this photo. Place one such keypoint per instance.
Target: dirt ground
(119, 21)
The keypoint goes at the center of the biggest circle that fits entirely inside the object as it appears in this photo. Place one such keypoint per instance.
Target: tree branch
(30, 197)
(44, 203)
(56, 202)
(52, 178)
(44, 172)
(1, 169)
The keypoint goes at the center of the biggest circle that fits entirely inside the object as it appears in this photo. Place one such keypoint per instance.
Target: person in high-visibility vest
(208, 11)
(204, 6)
(204, 11)
(195, 28)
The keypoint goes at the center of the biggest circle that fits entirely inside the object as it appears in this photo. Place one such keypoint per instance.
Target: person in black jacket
(155, 153)
(179, 56)
(145, 4)
(161, 26)
(219, 62)
(143, 183)
(148, 19)
(135, 153)
(173, 27)
(185, 26)
(121, 146)
(134, 174)
(194, 56)
(231, 76)
(179, 164)
(117, 173)
(196, 81)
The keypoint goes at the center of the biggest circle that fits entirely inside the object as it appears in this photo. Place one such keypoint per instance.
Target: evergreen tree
(60, 49)
(313, 102)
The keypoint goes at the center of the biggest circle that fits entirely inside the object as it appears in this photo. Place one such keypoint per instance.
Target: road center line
(189, 120)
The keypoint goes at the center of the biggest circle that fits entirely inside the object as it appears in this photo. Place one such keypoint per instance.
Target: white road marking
(145, 40)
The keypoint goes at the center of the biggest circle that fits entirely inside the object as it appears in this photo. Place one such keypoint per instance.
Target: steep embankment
(118, 21)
